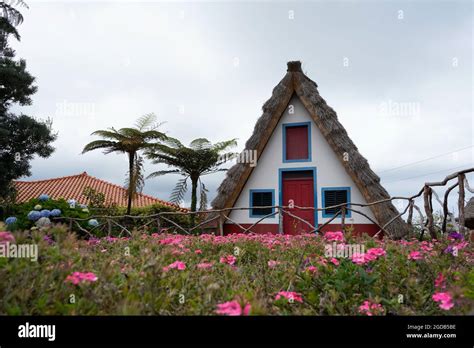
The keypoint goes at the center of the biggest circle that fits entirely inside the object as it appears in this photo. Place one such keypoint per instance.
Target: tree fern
(177, 195)
(200, 158)
(130, 141)
(203, 198)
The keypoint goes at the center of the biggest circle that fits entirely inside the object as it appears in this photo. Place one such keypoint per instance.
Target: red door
(298, 187)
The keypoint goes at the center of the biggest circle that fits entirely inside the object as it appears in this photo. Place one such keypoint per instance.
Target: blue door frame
(315, 188)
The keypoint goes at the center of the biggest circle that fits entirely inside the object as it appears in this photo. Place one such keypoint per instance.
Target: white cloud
(127, 59)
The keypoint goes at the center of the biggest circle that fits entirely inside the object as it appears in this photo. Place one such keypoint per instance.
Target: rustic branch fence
(221, 216)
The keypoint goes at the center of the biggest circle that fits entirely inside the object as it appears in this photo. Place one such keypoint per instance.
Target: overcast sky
(399, 75)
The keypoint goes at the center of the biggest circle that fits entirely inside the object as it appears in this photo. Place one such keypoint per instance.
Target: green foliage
(20, 211)
(21, 137)
(182, 220)
(470, 285)
(95, 211)
(17, 83)
(199, 159)
(95, 199)
(10, 17)
(129, 141)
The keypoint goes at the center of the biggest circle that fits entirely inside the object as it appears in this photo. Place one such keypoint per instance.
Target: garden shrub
(26, 216)
(21, 211)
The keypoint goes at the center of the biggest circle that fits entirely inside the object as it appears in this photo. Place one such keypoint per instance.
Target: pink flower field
(166, 274)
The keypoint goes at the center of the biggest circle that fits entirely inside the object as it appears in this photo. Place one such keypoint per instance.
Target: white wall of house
(330, 171)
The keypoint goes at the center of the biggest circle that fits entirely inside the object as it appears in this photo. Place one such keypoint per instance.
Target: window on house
(296, 142)
(261, 198)
(335, 196)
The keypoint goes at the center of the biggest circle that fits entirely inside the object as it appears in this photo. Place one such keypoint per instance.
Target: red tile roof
(71, 187)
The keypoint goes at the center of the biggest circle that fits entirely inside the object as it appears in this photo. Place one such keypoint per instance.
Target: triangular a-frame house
(306, 158)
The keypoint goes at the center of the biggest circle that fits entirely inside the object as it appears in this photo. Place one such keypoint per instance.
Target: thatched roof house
(297, 88)
(469, 214)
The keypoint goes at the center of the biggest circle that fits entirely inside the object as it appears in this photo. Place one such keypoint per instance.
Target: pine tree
(21, 136)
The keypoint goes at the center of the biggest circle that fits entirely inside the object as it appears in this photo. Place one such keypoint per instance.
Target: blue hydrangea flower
(45, 213)
(44, 197)
(83, 206)
(72, 203)
(11, 220)
(38, 207)
(93, 222)
(33, 215)
(55, 212)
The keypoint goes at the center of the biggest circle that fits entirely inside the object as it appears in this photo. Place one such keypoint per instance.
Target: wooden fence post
(158, 224)
(461, 201)
(280, 220)
(410, 215)
(429, 211)
(221, 223)
(445, 207)
(343, 217)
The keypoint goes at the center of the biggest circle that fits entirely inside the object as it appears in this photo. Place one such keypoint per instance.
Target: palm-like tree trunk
(131, 162)
(194, 184)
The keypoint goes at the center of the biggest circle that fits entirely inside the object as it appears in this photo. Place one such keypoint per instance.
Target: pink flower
(172, 240)
(461, 245)
(233, 308)
(290, 296)
(370, 308)
(334, 236)
(440, 281)
(311, 269)
(93, 241)
(445, 299)
(415, 255)
(359, 259)
(371, 255)
(111, 239)
(78, 277)
(6, 237)
(322, 261)
(377, 252)
(426, 246)
(334, 261)
(179, 265)
(228, 259)
(198, 251)
(205, 265)
(273, 263)
(177, 252)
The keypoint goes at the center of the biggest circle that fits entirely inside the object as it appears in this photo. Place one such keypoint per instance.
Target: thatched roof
(469, 214)
(296, 82)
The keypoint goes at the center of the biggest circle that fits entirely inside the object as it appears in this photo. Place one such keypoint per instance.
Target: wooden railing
(221, 216)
